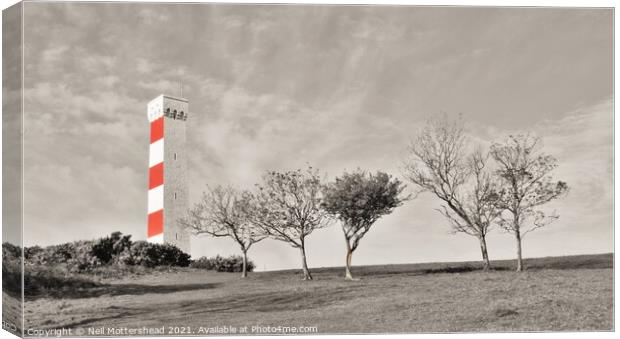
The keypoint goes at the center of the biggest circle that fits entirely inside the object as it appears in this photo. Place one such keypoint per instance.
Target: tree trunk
(304, 264)
(519, 257)
(486, 264)
(244, 272)
(347, 272)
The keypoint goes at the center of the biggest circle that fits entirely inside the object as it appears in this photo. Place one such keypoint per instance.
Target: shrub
(233, 263)
(150, 255)
(50, 255)
(37, 255)
(202, 263)
(115, 250)
(32, 252)
(108, 248)
(173, 256)
(83, 257)
(59, 253)
(58, 269)
(11, 269)
(10, 251)
(74, 256)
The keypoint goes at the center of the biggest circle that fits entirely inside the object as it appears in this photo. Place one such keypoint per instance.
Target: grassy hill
(588, 261)
(556, 293)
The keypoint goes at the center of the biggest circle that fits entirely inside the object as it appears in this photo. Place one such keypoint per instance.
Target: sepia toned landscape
(223, 169)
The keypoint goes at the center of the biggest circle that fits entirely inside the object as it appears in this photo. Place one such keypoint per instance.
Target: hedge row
(116, 249)
(234, 263)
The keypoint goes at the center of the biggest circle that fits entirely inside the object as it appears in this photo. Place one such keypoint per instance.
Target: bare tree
(359, 199)
(440, 164)
(222, 213)
(478, 208)
(286, 207)
(527, 184)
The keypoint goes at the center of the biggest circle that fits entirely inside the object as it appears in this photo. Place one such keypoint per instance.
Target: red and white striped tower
(168, 190)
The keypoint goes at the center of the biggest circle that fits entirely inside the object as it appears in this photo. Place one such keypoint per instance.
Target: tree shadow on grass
(267, 302)
(461, 269)
(415, 271)
(119, 289)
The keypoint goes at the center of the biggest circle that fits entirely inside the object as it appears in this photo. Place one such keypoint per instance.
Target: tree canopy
(358, 200)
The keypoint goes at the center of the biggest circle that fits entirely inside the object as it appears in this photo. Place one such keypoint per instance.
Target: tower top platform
(169, 106)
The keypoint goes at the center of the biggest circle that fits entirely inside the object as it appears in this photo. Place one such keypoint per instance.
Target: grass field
(562, 293)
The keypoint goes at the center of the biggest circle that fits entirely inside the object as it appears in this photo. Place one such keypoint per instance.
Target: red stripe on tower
(156, 175)
(156, 223)
(157, 129)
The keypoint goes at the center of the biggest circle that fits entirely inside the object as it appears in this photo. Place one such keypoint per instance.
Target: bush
(59, 253)
(202, 263)
(173, 256)
(42, 279)
(233, 263)
(32, 252)
(10, 251)
(150, 255)
(115, 250)
(108, 248)
(11, 270)
(83, 257)
(59, 269)
(74, 256)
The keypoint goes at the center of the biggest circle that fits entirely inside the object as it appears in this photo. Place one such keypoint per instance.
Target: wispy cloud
(153, 15)
(338, 87)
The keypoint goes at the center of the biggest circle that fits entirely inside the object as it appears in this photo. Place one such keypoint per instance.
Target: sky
(337, 87)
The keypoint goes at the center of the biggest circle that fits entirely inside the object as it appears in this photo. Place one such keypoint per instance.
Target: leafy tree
(287, 207)
(358, 200)
(440, 163)
(222, 212)
(526, 184)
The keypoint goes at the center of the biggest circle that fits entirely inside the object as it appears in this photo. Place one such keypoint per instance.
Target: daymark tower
(167, 188)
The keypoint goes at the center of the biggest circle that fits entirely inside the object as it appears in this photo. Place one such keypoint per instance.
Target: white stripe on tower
(157, 239)
(156, 152)
(156, 199)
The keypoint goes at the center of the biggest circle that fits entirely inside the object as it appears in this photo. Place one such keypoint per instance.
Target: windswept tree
(440, 163)
(287, 207)
(222, 212)
(526, 184)
(358, 200)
